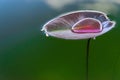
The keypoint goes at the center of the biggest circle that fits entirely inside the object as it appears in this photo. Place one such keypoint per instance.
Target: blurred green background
(27, 54)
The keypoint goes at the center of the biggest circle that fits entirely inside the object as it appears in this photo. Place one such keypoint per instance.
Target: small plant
(83, 24)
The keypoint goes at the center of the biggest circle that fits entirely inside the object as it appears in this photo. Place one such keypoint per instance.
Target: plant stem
(87, 57)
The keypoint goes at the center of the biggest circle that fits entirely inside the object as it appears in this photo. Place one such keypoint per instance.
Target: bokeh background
(27, 54)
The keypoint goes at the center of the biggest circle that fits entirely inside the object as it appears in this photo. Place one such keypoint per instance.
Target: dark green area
(27, 54)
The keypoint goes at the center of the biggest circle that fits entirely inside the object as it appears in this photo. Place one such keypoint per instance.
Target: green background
(27, 54)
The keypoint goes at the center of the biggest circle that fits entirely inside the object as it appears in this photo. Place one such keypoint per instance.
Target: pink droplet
(87, 25)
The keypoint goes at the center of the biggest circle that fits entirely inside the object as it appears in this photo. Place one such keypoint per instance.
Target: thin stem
(87, 57)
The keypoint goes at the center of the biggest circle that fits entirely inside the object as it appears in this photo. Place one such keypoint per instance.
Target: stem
(87, 57)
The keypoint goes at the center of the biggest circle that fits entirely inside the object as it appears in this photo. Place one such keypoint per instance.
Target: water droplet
(87, 25)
